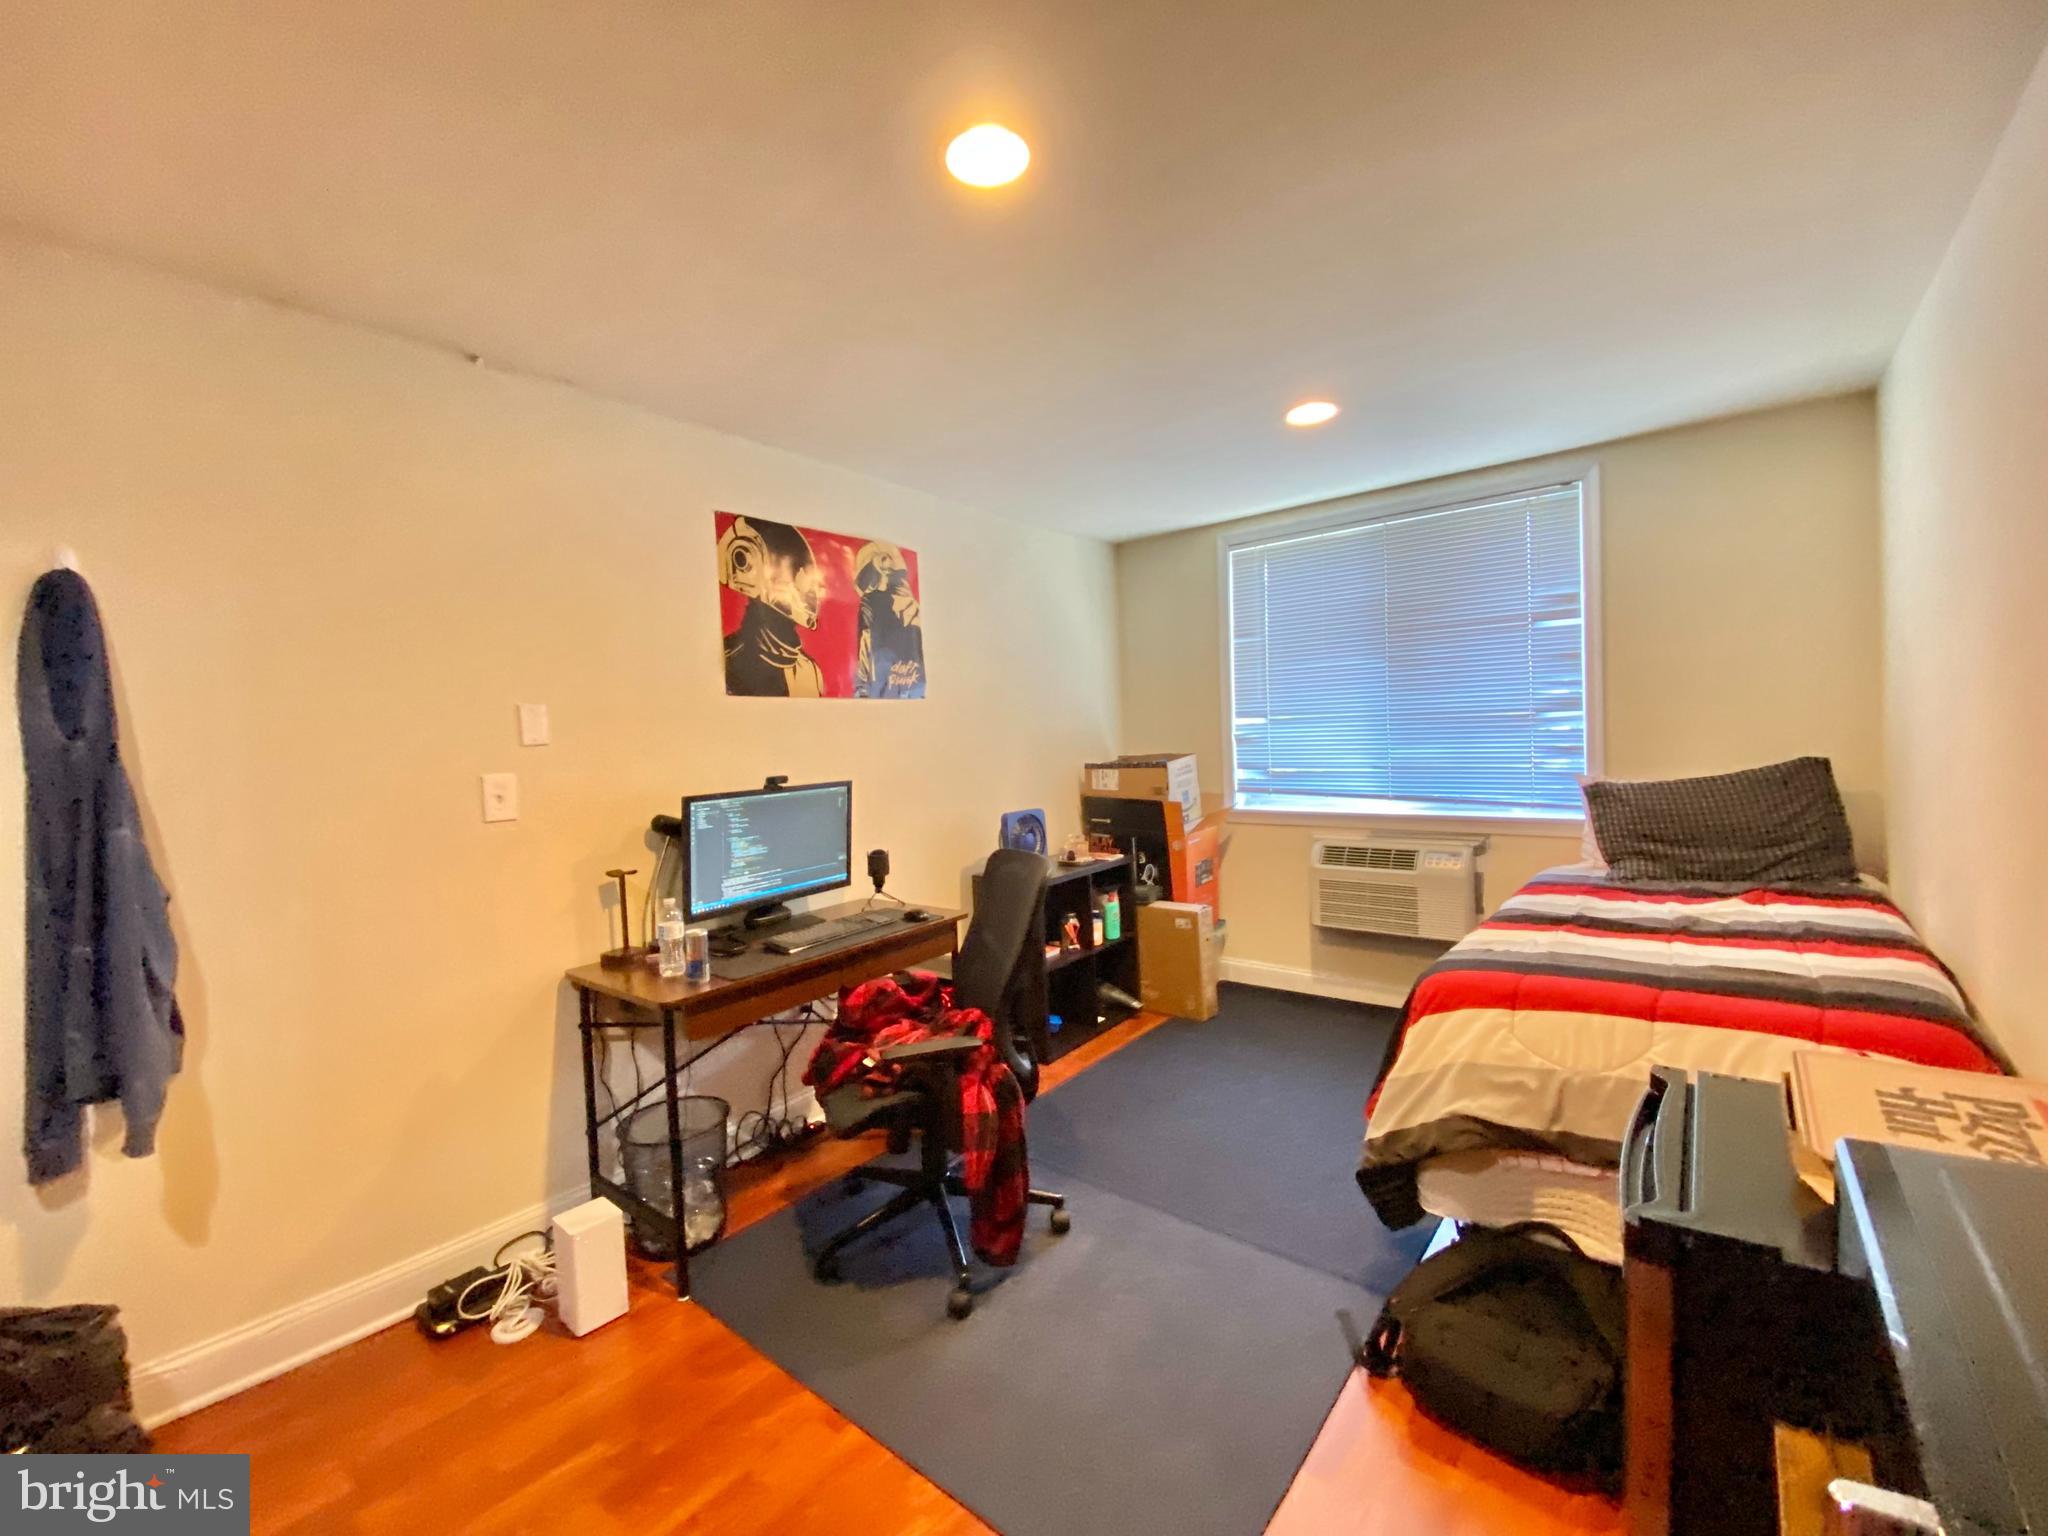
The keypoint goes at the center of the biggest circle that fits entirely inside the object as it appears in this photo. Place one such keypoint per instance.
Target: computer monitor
(751, 850)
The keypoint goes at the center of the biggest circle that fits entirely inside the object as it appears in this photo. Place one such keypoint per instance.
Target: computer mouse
(915, 915)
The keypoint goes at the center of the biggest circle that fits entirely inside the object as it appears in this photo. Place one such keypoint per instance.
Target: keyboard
(837, 931)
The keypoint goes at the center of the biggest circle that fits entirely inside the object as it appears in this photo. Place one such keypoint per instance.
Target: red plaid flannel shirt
(888, 1011)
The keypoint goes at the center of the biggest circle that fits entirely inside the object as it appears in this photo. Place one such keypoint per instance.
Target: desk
(641, 998)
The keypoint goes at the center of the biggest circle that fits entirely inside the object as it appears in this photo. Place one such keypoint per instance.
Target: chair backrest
(1001, 959)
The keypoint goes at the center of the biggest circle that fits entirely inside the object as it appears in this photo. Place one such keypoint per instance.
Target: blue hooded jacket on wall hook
(102, 1023)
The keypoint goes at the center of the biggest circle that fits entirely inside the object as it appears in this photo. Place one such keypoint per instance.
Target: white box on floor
(590, 1265)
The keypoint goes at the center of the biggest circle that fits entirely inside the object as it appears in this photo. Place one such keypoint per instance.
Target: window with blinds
(1429, 662)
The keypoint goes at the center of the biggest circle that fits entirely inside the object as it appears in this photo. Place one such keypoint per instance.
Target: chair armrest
(938, 1048)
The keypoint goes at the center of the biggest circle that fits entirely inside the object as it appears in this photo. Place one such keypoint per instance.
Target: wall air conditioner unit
(1415, 889)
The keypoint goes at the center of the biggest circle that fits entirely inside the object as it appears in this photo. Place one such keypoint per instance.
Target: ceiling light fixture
(1310, 413)
(987, 155)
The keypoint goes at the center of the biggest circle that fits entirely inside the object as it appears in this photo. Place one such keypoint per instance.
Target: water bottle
(669, 933)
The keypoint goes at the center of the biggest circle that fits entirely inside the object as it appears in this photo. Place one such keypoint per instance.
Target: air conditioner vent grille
(1367, 856)
(1375, 908)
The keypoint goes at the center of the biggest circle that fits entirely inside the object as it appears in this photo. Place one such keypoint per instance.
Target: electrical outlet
(501, 796)
(533, 725)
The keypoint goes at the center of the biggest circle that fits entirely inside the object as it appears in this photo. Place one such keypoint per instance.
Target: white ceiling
(1488, 228)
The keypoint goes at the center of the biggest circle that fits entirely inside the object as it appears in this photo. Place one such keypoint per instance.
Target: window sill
(1382, 816)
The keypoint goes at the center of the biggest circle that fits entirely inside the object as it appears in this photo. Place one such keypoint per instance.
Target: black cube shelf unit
(1072, 978)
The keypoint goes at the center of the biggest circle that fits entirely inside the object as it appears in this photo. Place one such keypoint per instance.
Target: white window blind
(1434, 661)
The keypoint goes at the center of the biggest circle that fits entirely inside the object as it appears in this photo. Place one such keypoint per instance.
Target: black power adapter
(439, 1317)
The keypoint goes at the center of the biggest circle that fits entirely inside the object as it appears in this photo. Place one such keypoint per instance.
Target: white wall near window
(1738, 615)
(1430, 657)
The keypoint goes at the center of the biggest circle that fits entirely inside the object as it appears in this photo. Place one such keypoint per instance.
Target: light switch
(501, 796)
(533, 725)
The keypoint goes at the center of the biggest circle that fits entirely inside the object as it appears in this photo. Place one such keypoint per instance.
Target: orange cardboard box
(1198, 868)
(1188, 864)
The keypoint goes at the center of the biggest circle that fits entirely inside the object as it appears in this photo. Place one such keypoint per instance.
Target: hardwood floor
(1379, 1468)
(669, 1421)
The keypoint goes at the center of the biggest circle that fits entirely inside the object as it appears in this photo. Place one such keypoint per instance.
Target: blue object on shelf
(1025, 830)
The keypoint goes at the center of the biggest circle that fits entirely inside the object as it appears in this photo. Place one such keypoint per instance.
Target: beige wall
(330, 563)
(1740, 614)
(1965, 436)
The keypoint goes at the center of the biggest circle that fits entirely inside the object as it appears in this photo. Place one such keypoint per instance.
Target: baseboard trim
(1289, 978)
(186, 1380)
(189, 1379)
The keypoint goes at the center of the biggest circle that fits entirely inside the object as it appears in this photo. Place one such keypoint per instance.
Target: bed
(1521, 1053)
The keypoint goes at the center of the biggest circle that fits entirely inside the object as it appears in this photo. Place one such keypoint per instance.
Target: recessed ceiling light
(1310, 413)
(987, 155)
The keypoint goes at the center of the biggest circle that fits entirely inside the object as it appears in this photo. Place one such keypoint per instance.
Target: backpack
(1515, 1343)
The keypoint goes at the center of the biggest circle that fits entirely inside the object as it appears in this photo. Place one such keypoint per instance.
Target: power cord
(654, 886)
(617, 1118)
(643, 1092)
(507, 1294)
(759, 1132)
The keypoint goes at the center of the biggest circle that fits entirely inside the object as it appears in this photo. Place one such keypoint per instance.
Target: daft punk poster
(813, 615)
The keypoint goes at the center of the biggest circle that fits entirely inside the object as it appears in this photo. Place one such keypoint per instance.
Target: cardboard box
(1177, 959)
(1150, 830)
(1835, 1096)
(1198, 875)
(1168, 776)
(1172, 863)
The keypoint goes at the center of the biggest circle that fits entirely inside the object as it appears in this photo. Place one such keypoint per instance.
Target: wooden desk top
(716, 1006)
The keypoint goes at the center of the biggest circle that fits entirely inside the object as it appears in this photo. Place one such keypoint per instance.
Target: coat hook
(65, 558)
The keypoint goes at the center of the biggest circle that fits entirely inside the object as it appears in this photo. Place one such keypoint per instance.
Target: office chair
(1000, 970)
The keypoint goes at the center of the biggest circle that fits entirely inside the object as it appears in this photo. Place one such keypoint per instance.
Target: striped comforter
(1538, 1029)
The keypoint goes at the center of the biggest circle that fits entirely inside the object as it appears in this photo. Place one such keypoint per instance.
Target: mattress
(1490, 1187)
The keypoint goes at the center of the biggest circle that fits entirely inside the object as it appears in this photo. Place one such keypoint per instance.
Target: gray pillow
(1777, 825)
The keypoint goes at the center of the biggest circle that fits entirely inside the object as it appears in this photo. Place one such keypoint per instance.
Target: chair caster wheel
(959, 1303)
(1059, 1221)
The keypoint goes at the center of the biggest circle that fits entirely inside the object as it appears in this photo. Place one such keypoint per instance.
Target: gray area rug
(1248, 1124)
(1164, 1366)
